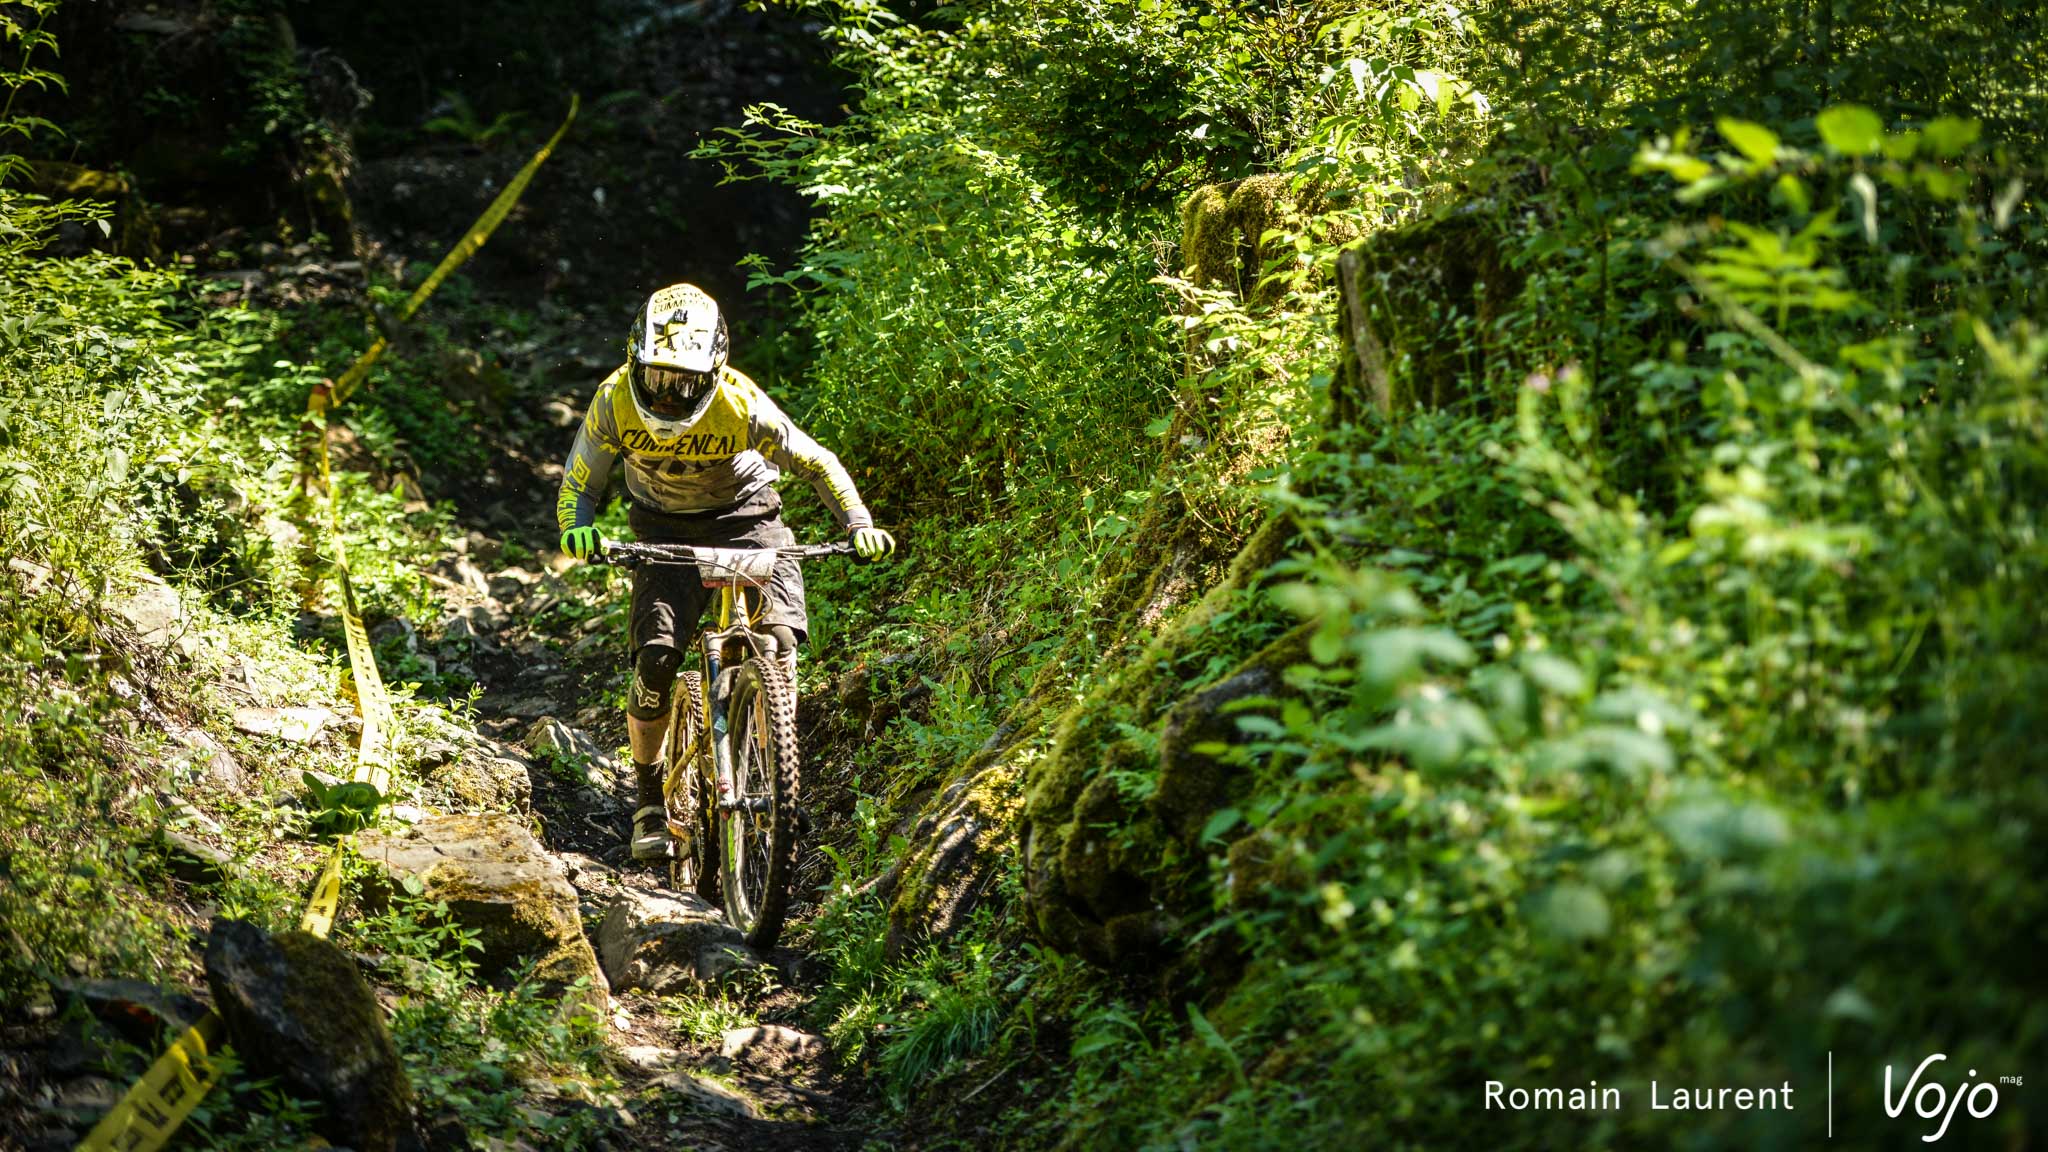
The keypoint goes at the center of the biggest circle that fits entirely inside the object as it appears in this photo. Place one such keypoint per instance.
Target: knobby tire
(687, 795)
(761, 718)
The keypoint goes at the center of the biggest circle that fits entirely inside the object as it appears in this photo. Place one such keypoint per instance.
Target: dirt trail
(540, 648)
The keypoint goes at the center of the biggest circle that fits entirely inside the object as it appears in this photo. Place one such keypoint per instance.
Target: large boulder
(297, 1008)
(498, 881)
(954, 850)
(1418, 315)
(668, 942)
(1111, 872)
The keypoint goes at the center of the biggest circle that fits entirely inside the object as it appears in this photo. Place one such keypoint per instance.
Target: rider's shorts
(668, 599)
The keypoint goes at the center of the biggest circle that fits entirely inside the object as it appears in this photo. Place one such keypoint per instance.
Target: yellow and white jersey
(738, 447)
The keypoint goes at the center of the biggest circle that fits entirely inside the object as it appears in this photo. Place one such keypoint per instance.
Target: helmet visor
(671, 393)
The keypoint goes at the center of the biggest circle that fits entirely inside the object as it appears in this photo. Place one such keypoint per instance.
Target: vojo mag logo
(1932, 1100)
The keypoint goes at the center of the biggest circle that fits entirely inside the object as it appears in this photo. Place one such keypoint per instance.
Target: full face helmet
(674, 356)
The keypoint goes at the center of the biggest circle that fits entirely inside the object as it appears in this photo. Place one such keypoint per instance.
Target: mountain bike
(733, 776)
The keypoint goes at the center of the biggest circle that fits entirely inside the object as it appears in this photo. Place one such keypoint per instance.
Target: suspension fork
(714, 695)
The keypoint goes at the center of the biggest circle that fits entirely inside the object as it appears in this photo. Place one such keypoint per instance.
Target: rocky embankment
(515, 820)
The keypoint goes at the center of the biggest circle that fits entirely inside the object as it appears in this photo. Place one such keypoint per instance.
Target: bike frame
(724, 647)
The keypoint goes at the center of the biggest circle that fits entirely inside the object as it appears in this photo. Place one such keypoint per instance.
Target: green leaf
(1214, 1039)
(1220, 823)
(1554, 674)
(1754, 141)
(1850, 129)
(1950, 135)
(1574, 912)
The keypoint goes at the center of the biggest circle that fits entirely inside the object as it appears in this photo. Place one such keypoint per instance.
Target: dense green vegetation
(1444, 544)
(1664, 705)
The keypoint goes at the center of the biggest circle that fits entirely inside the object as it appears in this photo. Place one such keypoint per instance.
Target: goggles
(672, 392)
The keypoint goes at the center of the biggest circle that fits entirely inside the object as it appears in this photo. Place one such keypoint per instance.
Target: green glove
(872, 543)
(582, 543)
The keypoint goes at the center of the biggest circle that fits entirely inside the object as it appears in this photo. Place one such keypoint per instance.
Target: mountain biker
(703, 447)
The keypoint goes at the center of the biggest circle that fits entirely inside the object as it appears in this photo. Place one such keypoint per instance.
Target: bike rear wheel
(758, 822)
(693, 861)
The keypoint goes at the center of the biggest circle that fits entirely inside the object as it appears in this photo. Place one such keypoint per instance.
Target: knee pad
(654, 674)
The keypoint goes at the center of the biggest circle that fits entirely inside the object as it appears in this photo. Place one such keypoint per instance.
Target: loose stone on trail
(668, 942)
(706, 1095)
(771, 1045)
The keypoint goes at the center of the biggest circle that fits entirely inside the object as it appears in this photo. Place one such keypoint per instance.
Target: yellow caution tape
(158, 1103)
(325, 902)
(473, 240)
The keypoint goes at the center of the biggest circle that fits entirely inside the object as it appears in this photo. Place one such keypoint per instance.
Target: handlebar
(623, 554)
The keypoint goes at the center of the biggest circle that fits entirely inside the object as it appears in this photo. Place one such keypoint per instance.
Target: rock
(205, 758)
(498, 881)
(31, 574)
(462, 629)
(1194, 784)
(769, 1045)
(153, 610)
(139, 1011)
(471, 576)
(668, 942)
(297, 1008)
(485, 549)
(194, 860)
(435, 753)
(509, 583)
(551, 735)
(179, 811)
(482, 779)
(84, 1100)
(953, 854)
(297, 725)
(585, 870)
(649, 1057)
(706, 1095)
(518, 707)
(397, 630)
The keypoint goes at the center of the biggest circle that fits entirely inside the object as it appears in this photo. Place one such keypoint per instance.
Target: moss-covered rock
(1195, 780)
(498, 881)
(297, 1008)
(1223, 230)
(1418, 314)
(955, 848)
(1112, 816)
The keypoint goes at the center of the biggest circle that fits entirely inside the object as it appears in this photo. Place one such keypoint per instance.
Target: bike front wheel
(758, 821)
(693, 862)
